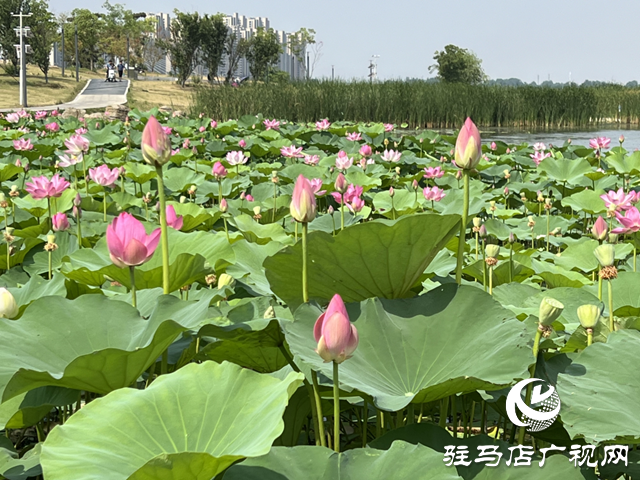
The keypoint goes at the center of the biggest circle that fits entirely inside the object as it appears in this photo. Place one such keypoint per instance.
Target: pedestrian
(120, 70)
(110, 66)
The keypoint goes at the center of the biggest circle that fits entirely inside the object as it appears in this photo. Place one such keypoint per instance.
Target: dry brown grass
(146, 94)
(58, 90)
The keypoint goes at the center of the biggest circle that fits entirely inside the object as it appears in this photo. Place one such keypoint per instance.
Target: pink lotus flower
(104, 176)
(539, 146)
(69, 160)
(12, 118)
(433, 172)
(336, 336)
(128, 243)
(42, 187)
(156, 146)
(618, 200)
(76, 145)
(311, 159)
(343, 162)
(621, 139)
(186, 144)
(242, 143)
(175, 152)
(433, 194)
(303, 201)
(173, 220)
(636, 196)
(219, 171)
(55, 113)
(341, 183)
(323, 125)
(22, 144)
(41, 114)
(292, 152)
(81, 131)
(365, 151)
(599, 229)
(52, 127)
(236, 158)
(353, 193)
(356, 205)
(600, 143)
(167, 130)
(271, 124)
(391, 155)
(354, 136)
(468, 148)
(201, 129)
(388, 127)
(316, 185)
(493, 146)
(630, 221)
(539, 156)
(224, 206)
(60, 222)
(213, 124)
(249, 198)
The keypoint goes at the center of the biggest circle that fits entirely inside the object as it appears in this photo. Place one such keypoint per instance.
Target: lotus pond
(165, 297)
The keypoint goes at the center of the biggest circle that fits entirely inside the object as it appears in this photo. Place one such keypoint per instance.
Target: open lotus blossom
(303, 201)
(236, 158)
(365, 150)
(316, 184)
(352, 193)
(41, 114)
(103, 175)
(81, 131)
(271, 124)
(538, 146)
(23, 144)
(635, 196)
(60, 222)
(433, 194)
(42, 187)
(173, 220)
(618, 200)
(356, 205)
(336, 336)
(52, 127)
(76, 144)
(167, 130)
(354, 136)
(219, 171)
(12, 118)
(630, 221)
(323, 125)
(24, 114)
(343, 161)
(388, 127)
(69, 160)
(292, 152)
(128, 243)
(539, 156)
(366, 161)
(600, 143)
(311, 159)
(433, 172)
(391, 155)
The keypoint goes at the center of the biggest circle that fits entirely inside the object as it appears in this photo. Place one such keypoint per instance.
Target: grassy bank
(422, 104)
(146, 94)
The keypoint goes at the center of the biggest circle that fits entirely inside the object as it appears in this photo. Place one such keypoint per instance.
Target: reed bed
(422, 104)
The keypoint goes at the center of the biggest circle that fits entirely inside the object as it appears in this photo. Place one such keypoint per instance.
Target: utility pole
(77, 60)
(373, 68)
(23, 32)
(332, 73)
(128, 67)
(62, 27)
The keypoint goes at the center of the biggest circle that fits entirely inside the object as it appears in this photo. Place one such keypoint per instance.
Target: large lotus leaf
(447, 341)
(402, 461)
(261, 234)
(565, 170)
(599, 391)
(382, 258)
(626, 294)
(624, 164)
(555, 276)
(29, 408)
(189, 425)
(23, 468)
(90, 343)
(586, 201)
(247, 267)
(403, 202)
(38, 287)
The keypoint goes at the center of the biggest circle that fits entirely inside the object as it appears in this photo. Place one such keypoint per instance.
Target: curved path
(96, 94)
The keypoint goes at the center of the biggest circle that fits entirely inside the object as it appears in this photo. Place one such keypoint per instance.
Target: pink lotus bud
(60, 222)
(482, 231)
(341, 183)
(458, 174)
(493, 145)
(468, 146)
(249, 198)
(242, 195)
(337, 337)
(18, 163)
(156, 146)
(391, 192)
(242, 143)
(506, 191)
(365, 150)
(77, 200)
(76, 212)
(201, 129)
(303, 201)
(219, 171)
(512, 238)
(214, 124)
(330, 210)
(224, 206)
(600, 229)
(128, 243)
(621, 139)
(173, 220)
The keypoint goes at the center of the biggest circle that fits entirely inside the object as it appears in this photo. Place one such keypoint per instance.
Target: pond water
(558, 137)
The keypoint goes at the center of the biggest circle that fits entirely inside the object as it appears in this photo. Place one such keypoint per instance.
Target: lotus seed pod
(477, 222)
(51, 238)
(605, 254)
(8, 306)
(589, 315)
(226, 280)
(492, 251)
(257, 210)
(550, 310)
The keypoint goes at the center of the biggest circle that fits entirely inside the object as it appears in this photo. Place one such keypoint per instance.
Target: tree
(91, 29)
(235, 48)
(121, 23)
(152, 52)
(298, 43)
(44, 30)
(214, 34)
(458, 65)
(7, 35)
(264, 51)
(184, 45)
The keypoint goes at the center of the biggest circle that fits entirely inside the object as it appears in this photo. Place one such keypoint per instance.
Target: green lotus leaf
(28, 466)
(446, 341)
(29, 408)
(565, 170)
(381, 258)
(588, 201)
(625, 164)
(247, 267)
(402, 461)
(261, 234)
(189, 425)
(404, 203)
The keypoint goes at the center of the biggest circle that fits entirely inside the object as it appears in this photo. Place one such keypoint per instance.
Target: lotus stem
(548, 223)
(318, 402)
(50, 217)
(295, 234)
(393, 210)
(275, 201)
(365, 422)
(226, 229)
(599, 286)
(610, 291)
(411, 414)
(484, 267)
(634, 257)
(454, 416)
(164, 240)
(511, 264)
(104, 205)
(342, 212)
(471, 417)
(50, 264)
(477, 246)
(491, 280)
(132, 276)
(219, 191)
(444, 412)
(75, 178)
(79, 230)
(305, 288)
(336, 409)
(164, 364)
(463, 227)
(589, 336)
(84, 170)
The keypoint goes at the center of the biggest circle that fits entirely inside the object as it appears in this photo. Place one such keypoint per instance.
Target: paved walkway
(96, 94)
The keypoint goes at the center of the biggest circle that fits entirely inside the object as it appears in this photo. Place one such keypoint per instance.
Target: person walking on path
(110, 66)
(120, 70)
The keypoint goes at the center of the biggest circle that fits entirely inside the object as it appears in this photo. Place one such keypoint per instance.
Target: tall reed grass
(423, 104)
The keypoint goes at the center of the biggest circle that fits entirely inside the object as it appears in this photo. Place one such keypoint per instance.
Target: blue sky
(560, 39)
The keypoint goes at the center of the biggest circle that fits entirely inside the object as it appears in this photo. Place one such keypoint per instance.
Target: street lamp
(373, 68)
(23, 49)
